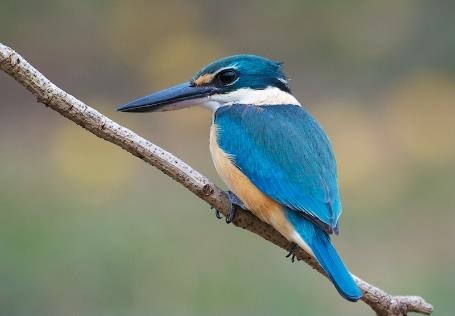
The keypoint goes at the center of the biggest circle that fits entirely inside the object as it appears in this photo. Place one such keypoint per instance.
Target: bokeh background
(86, 229)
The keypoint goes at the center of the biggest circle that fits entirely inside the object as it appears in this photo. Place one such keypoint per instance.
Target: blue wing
(285, 152)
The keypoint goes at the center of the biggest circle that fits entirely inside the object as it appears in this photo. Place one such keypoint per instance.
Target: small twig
(70, 107)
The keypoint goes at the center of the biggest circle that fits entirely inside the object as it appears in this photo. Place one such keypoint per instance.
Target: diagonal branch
(51, 96)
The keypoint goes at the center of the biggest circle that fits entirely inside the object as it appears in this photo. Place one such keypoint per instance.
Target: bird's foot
(292, 251)
(217, 213)
(234, 201)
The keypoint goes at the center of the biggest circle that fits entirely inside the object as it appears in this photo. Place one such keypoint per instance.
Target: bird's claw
(234, 201)
(231, 214)
(292, 251)
(218, 214)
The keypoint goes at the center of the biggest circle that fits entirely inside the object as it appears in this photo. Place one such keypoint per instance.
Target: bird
(272, 154)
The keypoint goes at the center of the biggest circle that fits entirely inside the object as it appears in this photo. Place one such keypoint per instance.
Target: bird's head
(245, 79)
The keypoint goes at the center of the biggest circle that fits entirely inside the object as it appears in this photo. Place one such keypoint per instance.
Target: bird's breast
(255, 200)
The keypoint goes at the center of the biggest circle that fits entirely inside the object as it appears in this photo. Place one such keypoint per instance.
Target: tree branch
(51, 96)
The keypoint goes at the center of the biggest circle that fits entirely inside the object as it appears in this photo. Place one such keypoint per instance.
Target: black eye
(227, 76)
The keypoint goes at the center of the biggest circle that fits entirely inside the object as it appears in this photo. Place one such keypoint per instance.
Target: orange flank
(267, 209)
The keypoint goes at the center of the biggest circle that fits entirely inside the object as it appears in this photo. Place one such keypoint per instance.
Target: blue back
(285, 152)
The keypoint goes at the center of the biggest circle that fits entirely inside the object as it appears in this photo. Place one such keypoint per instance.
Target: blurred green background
(86, 229)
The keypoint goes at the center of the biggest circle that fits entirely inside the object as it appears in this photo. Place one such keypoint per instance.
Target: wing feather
(286, 154)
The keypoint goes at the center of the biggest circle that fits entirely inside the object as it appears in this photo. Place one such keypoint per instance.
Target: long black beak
(174, 98)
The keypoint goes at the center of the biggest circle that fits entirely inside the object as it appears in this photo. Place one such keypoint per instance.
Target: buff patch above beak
(204, 79)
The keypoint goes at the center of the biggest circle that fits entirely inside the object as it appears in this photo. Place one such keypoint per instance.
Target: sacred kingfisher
(271, 153)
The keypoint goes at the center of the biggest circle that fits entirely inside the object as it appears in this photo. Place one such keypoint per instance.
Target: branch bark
(55, 98)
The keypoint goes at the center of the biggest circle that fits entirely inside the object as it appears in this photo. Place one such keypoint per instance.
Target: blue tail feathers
(319, 242)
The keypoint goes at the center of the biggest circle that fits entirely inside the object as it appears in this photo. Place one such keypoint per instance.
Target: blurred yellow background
(86, 229)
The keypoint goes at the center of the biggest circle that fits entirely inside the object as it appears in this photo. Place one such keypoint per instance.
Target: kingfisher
(272, 154)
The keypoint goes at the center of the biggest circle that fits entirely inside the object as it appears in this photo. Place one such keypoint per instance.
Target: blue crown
(249, 71)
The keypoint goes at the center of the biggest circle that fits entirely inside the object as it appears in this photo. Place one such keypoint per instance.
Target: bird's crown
(242, 71)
